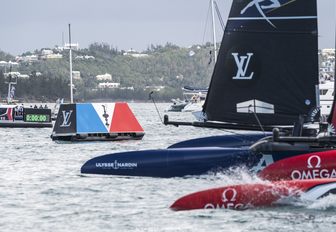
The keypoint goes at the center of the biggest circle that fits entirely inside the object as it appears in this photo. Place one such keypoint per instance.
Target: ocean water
(41, 188)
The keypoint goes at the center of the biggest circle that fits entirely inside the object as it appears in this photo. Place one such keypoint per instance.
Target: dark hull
(166, 163)
(190, 157)
(254, 152)
(232, 140)
(21, 124)
(183, 161)
(98, 137)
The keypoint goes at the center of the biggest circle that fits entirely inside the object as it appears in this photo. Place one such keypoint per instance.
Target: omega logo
(229, 195)
(318, 162)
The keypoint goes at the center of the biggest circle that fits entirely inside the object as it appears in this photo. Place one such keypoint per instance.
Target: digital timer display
(36, 115)
(37, 118)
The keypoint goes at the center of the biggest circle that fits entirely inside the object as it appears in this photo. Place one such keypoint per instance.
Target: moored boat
(19, 116)
(326, 96)
(193, 99)
(177, 105)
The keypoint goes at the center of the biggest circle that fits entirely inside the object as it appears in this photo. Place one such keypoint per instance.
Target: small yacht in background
(326, 96)
(193, 100)
(14, 115)
(178, 105)
(326, 99)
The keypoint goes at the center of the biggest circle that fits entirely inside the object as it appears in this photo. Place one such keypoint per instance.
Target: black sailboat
(266, 76)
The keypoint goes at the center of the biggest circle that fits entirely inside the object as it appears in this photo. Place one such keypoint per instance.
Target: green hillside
(169, 66)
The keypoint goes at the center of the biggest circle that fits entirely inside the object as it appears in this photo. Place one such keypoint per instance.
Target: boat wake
(325, 204)
(233, 176)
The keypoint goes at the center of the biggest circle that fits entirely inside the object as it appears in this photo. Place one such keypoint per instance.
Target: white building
(13, 74)
(108, 85)
(135, 54)
(74, 46)
(89, 57)
(16, 74)
(12, 63)
(27, 59)
(104, 77)
(76, 75)
(54, 56)
(23, 76)
(45, 52)
(328, 51)
(127, 88)
(154, 87)
(138, 55)
(84, 58)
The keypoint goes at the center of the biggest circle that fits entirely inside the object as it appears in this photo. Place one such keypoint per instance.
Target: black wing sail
(267, 63)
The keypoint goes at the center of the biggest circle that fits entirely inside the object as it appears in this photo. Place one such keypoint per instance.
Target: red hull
(246, 196)
(309, 166)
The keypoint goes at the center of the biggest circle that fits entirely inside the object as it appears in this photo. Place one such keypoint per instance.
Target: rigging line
(246, 136)
(206, 22)
(152, 98)
(219, 16)
(256, 116)
(332, 113)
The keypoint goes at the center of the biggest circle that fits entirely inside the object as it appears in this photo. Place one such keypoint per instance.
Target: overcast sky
(27, 25)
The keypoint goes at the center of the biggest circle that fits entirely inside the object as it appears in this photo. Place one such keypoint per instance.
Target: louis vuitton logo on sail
(242, 63)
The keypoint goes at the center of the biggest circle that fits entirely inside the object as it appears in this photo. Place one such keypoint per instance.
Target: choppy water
(41, 188)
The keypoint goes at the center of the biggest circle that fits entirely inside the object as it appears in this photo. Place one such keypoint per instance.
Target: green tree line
(170, 66)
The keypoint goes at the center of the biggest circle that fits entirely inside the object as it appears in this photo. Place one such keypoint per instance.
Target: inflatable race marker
(307, 166)
(96, 122)
(240, 197)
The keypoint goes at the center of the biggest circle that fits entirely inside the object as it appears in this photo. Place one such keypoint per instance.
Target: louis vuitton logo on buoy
(314, 160)
(66, 118)
(229, 195)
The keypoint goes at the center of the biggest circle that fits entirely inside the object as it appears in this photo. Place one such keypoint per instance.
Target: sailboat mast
(213, 29)
(9, 99)
(331, 117)
(335, 55)
(70, 60)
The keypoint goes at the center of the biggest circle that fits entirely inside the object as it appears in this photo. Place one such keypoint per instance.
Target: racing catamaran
(266, 74)
(266, 77)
